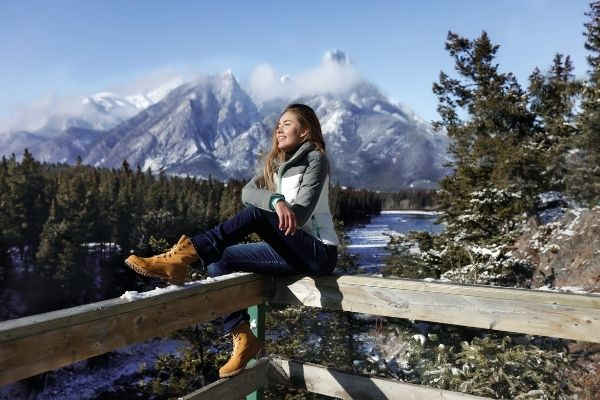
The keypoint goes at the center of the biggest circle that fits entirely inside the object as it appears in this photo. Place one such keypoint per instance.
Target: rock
(565, 253)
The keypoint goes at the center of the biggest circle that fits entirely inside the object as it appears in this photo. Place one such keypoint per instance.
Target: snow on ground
(410, 212)
(566, 289)
(79, 381)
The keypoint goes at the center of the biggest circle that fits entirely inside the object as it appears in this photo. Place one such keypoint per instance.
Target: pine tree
(586, 175)
(553, 101)
(73, 215)
(50, 245)
(230, 202)
(497, 175)
(25, 202)
(124, 223)
(5, 237)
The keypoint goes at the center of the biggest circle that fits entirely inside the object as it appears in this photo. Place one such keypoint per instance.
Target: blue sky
(63, 49)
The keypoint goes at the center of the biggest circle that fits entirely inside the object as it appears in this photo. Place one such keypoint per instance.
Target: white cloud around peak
(52, 107)
(335, 74)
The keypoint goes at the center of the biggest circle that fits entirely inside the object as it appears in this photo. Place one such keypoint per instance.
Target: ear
(304, 134)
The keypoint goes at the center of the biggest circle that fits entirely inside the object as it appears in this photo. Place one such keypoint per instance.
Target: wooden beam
(236, 387)
(569, 316)
(335, 383)
(43, 342)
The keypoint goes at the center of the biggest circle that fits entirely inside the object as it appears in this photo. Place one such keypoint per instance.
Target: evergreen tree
(553, 101)
(124, 222)
(5, 236)
(230, 202)
(586, 175)
(71, 224)
(50, 245)
(26, 203)
(485, 114)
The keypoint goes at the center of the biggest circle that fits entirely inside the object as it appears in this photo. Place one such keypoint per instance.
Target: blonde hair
(308, 121)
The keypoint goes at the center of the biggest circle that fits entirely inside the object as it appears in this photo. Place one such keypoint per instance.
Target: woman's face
(289, 133)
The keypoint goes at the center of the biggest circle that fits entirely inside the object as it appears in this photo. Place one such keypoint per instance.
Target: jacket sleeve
(310, 187)
(261, 198)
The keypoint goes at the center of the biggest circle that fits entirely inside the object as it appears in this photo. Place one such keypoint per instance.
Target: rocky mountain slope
(565, 252)
(212, 126)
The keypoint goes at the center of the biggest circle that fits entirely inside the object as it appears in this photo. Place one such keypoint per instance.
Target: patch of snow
(414, 250)
(410, 212)
(371, 245)
(79, 381)
(420, 338)
(132, 295)
(566, 289)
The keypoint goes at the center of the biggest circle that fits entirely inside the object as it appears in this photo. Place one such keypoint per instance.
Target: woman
(287, 206)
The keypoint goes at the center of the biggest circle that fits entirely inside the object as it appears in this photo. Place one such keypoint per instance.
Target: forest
(68, 228)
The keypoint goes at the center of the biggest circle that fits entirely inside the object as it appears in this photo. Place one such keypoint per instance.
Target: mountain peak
(212, 126)
(337, 57)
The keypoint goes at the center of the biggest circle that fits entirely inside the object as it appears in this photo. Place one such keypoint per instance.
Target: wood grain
(335, 383)
(569, 316)
(31, 345)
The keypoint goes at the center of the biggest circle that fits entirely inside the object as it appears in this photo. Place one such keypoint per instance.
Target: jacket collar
(302, 150)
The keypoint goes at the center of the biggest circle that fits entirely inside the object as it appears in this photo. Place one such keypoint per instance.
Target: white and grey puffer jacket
(303, 182)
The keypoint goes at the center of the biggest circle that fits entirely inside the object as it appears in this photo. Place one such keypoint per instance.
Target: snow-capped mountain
(145, 100)
(376, 144)
(105, 110)
(210, 126)
(65, 147)
(213, 127)
(68, 134)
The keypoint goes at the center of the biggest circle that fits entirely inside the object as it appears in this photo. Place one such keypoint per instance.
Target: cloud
(52, 109)
(335, 74)
(154, 79)
(36, 115)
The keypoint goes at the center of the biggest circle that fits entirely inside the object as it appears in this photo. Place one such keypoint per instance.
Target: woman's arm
(258, 197)
(310, 187)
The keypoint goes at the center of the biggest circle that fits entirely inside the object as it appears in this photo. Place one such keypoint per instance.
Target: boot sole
(142, 271)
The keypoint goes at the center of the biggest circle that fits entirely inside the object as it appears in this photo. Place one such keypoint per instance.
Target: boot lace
(236, 342)
(171, 252)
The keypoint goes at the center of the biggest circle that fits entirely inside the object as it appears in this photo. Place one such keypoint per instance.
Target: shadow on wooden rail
(318, 379)
(43, 342)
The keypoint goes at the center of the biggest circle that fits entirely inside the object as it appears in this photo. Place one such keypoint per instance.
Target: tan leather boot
(245, 347)
(171, 266)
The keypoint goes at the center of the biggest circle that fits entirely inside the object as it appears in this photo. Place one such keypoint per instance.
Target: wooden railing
(43, 342)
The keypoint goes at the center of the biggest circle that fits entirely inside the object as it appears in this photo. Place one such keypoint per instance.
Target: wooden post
(257, 323)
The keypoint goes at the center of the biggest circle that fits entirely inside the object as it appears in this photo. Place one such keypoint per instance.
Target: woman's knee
(226, 264)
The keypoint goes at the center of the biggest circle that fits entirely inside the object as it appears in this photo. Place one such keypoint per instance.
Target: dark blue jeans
(279, 254)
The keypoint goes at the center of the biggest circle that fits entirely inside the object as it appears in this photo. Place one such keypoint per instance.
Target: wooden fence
(43, 342)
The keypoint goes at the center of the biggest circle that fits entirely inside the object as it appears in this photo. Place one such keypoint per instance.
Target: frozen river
(368, 241)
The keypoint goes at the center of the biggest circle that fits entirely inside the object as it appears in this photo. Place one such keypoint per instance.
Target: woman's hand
(287, 218)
